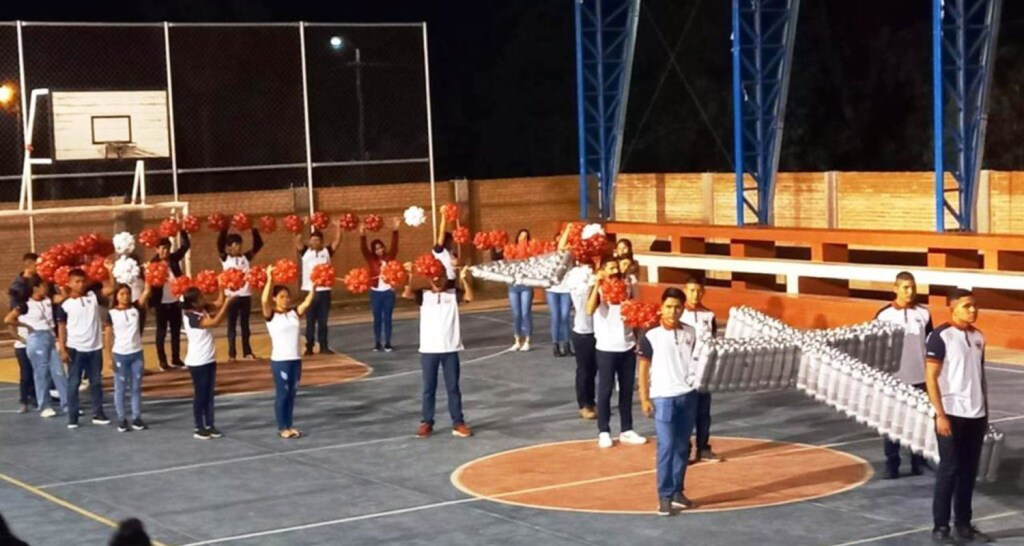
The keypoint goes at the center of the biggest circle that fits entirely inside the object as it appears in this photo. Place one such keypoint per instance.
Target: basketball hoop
(119, 150)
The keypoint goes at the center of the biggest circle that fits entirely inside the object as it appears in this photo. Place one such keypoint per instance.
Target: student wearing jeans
(123, 339)
(285, 362)
(382, 295)
(440, 343)
(312, 255)
(668, 392)
(201, 357)
(34, 319)
(703, 321)
(81, 344)
(229, 249)
(616, 360)
(19, 292)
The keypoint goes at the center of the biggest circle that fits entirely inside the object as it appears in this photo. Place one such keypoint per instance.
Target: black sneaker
(137, 424)
(681, 502)
(163, 366)
(214, 433)
(201, 434)
(569, 350)
(308, 352)
(179, 364)
(327, 351)
(377, 348)
(123, 426)
(100, 419)
(940, 535)
(971, 534)
(557, 351)
(388, 348)
(665, 507)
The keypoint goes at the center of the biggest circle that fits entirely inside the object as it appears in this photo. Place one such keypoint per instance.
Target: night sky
(502, 80)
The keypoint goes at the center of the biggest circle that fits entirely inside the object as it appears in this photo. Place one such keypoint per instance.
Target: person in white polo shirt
(229, 249)
(955, 376)
(916, 321)
(81, 343)
(668, 391)
(285, 362)
(580, 280)
(122, 335)
(440, 343)
(201, 357)
(312, 255)
(703, 321)
(616, 359)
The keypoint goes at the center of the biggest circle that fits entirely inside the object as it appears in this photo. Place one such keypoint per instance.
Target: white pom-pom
(414, 216)
(590, 230)
(124, 243)
(126, 270)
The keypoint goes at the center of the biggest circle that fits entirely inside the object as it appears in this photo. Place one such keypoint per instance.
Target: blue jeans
(26, 377)
(383, 304)
(558, 305)
(673, 421)
(128, 376)
(90, 364)
(449, 362)
(316, 319)
(287, 374)
(204, 385)
(46, 367)
(520, 298)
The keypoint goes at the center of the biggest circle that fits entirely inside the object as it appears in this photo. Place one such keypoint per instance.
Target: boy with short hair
(229, 248)
(81, 343)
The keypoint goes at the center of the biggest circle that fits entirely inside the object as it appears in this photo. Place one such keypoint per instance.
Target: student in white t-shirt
(312, 255)
(34, 319)
(581, 280)
(440, 343)
(285, 339)
(616, 359)
(917, 324)
(668, 391)
(201, 358)
(229, 249)
(81, 342)
(955, 376)
(122, 336)
(703, 321)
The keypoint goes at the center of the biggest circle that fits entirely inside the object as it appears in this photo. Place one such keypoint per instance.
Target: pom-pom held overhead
(126, 270)
(372, 222)
(149, 238)
(169, 228)
(60, 276)
(97, 270)
(285, 271)
(241, 222)
(482, 240)
(190, 224)
(460, 235)
(157, 273)
(320, 220)
(124, 243)
(614, 291)
(217, 222)
(450, 212)
(293, 223)
(348, 221)
(414, 216)
(357, 281)
(268, 224)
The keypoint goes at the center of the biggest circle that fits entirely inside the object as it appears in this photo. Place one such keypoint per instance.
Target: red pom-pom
(268, 224)
(394, 273)
(613, 291)
(257, 277)
(513, 252)
(320, 220)
(97, 270)
(179, 285)
(460, 235)
(88, 244)
(357, 280)
(372, 222)
(206, 281)
(60, 276)
(232, 278)
(348, 221)
(293, 223)
(241, 222)
(104, 247)
(482, 240)
(640, 314)
(285, 271)
(450, 212)
(169, 228)
(498, 238)
(428, 266)
(190, 224)
(157, 273)
(217, 222)
(322, 275)
(46, 267)
(149, 238)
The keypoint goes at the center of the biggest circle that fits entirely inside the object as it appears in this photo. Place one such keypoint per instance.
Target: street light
(340, 44)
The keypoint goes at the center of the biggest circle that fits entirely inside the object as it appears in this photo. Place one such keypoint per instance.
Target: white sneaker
(83, 386)
(515, 347)
(604, 440)
(54, 393)
(48, 412)
(630, 437)
(525, 346)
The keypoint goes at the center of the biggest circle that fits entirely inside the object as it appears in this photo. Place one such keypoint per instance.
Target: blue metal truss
(964, 34)
(605, 38)
(763, 32)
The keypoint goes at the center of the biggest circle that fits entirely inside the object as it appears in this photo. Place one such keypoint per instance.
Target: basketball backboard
(88, 125)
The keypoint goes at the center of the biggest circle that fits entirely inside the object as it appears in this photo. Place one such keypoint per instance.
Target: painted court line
(1007, 370)
(1005, 419)
(226, 461)
(921, 529)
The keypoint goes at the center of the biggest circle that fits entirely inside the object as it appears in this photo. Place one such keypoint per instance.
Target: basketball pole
(170, 108)
(430, 133)
(305, 114)
(26, 176)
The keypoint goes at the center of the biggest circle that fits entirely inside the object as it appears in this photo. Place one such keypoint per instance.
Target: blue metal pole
(737, 110)
(581, 119)
(602, 114)
(937, 125)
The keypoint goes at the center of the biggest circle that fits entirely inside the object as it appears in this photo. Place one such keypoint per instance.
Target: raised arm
(594, 297)
(467, 283)
(441, 230)
(299, 246)
(337, 238)
(257, 244)
(186, 244)
(210, 322)
(363, 247)
(563, 241)
(306, 303)
(147, 291)
(265, 305)
(393, 249)
(222, 244)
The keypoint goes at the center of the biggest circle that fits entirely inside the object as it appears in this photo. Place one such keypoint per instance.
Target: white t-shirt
(381, 286)
(237, 262)
(439, 322)
(917, 324)
(310, 259)
(961, 381)
(611, 334)
(673, 371)
(445, 258)
(127, 327)
(579, 280)
(82, 317)
(701, 319)
(38, 316)
(201, 350)
(284, 336)
(166, 295)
